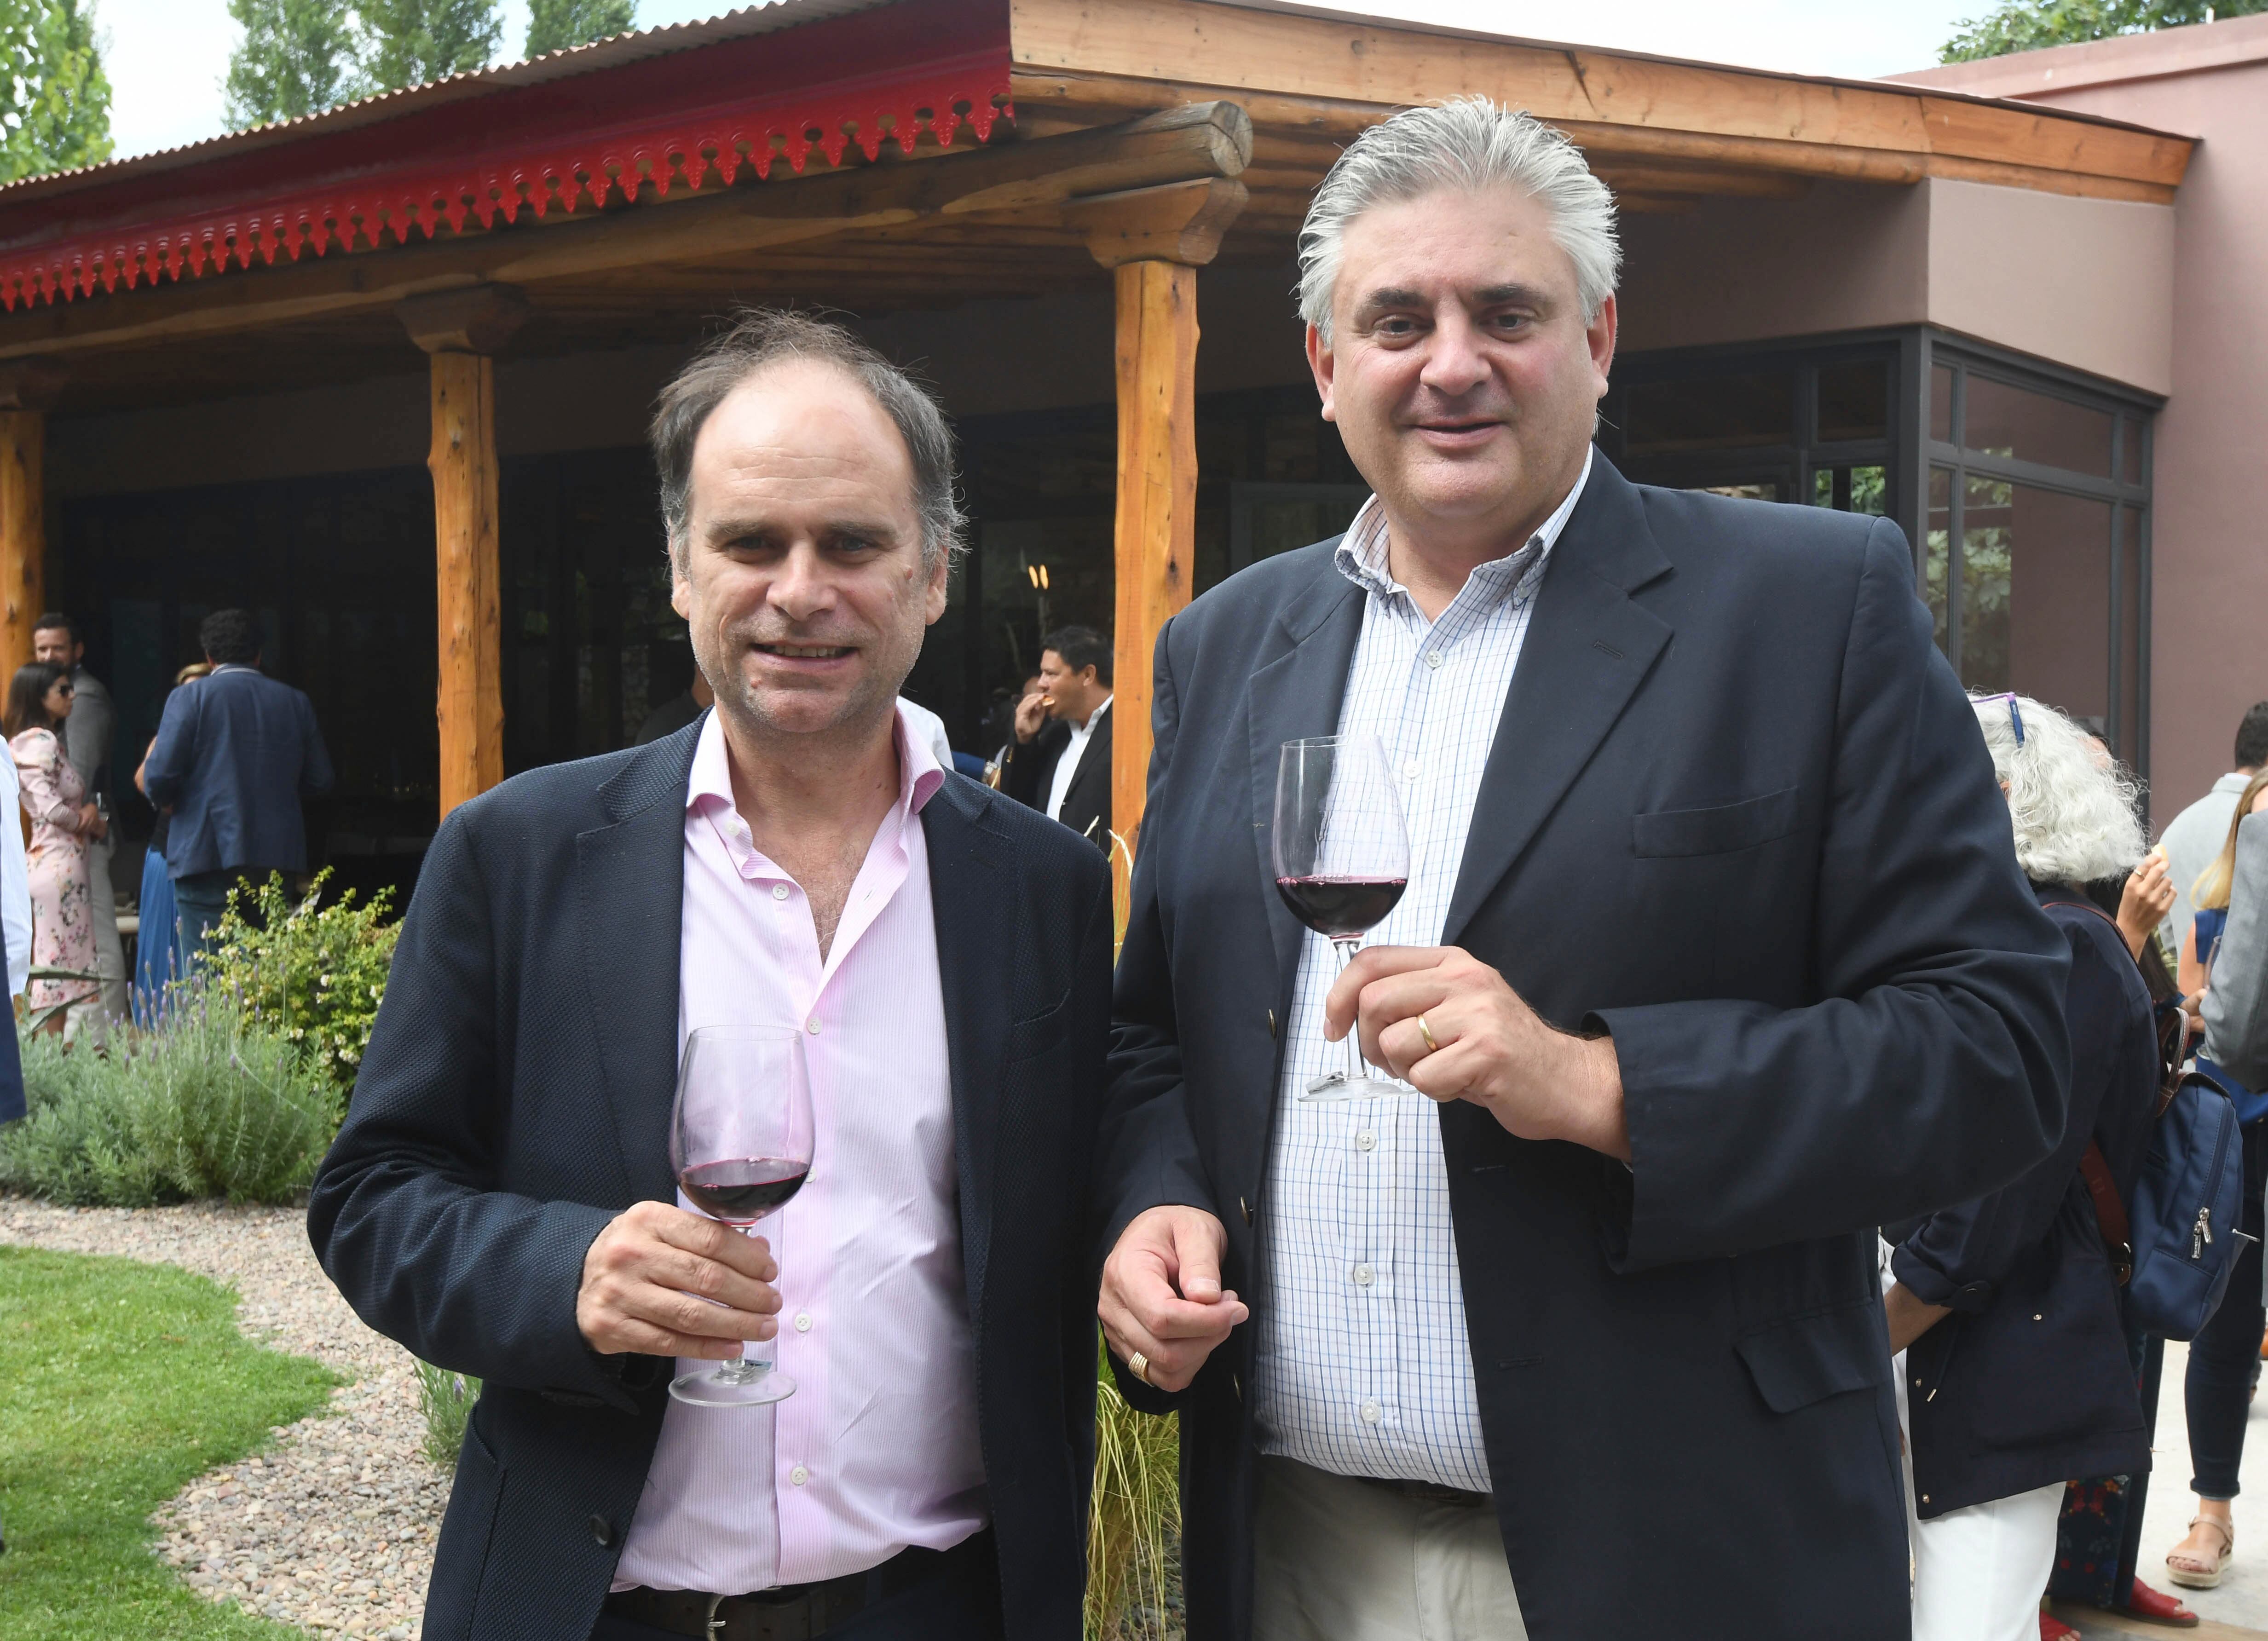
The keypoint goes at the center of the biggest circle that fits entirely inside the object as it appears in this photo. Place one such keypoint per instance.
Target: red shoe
(2054, 1629)
(2146, 1603)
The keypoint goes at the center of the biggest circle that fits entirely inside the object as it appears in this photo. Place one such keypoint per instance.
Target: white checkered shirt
(1363, 1365)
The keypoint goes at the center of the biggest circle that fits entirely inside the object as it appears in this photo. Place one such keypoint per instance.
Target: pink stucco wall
(2209, 626)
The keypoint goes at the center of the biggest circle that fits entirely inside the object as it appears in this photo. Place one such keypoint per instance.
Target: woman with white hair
(2013, 1377)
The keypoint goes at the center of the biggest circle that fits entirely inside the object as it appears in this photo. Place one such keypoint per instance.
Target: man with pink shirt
(500, 1199)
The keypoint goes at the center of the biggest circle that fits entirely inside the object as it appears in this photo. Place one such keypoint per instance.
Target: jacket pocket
(1715, 831)
(1802, 1360)
(1028, 1039)
(460, 1557)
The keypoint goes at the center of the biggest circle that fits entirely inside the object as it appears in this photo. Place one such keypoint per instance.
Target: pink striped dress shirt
(876, 1451)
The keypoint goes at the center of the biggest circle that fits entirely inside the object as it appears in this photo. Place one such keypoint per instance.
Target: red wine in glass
(740, 1143)
(1342, 858)
(741, 1190)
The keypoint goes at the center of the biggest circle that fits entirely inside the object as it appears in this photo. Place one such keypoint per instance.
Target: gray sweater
(2236, 1002)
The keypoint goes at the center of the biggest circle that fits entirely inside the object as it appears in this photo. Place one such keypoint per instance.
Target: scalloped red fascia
(682, 152)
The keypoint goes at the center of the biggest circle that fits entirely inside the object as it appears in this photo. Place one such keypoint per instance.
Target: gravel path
(333, 1529)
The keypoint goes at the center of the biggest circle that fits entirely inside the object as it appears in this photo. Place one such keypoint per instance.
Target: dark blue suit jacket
(1737, 813)
(236, 751)
(515, 1098)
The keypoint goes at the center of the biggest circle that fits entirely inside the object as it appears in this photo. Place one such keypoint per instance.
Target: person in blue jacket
(2013, 1376)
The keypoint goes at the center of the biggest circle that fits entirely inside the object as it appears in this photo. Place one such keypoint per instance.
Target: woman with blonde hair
(2225, 1355)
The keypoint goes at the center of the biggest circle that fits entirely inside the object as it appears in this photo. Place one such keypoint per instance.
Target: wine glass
(740, 1143)
(1342, 859)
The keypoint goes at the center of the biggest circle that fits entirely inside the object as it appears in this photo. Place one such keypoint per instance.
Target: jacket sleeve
(2236, 1001)
(1020, 777)
(1958, 1257)
(87, 732)
(315, 774)
(41, 780)
(167, 767)
(405, 1214)
(1932, 1067)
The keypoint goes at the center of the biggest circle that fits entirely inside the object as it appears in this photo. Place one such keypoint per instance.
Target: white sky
(168, 57)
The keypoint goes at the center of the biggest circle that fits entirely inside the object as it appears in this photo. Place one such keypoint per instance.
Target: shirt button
(1409, 770)
(1363, 1275)
(1365, 1141)
(798, 1475)
(1433, 658)
(1370, 1413)
(779, 891)
(812, 1024)
(803, 1321)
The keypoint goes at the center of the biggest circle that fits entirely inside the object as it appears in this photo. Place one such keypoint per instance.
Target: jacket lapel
(974, 920)
(1297, 687)
(630, 895)
(1588, 648)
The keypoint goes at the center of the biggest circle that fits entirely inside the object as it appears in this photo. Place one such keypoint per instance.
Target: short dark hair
(27, 697)
(56, 621)
(1081, 647)
(761, 337)
(2252, 737)
(229, 638)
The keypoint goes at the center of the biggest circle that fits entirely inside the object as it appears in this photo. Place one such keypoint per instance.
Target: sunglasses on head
(2015, 718)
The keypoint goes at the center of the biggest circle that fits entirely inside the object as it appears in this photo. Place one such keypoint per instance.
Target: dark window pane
(1850, 489)
(2011, 422)
(2130, 448)
(1937, 548)
(1940, 404)
(1854, 400)
(2036, 596)
(1714, 413)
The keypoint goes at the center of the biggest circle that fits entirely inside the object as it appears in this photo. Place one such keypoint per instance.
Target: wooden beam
(469, 701)
(1180, 222)
(26, 391)
(477, 319)
(1156, 532)
(1212, 139)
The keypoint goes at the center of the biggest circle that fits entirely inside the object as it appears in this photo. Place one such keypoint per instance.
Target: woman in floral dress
(63, 822)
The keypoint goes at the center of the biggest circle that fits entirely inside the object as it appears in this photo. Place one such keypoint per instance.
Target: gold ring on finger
(1138, 1365)
(1427, 1032)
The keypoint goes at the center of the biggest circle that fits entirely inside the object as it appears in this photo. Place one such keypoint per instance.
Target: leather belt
(793, 1611)
(1428, 1492)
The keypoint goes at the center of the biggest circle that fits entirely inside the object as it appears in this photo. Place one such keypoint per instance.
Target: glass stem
(751, 1367)
(1355, 1069)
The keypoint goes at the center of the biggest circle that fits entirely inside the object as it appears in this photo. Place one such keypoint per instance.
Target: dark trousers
(2225, 1357)
(961, 1603)
(200, 901)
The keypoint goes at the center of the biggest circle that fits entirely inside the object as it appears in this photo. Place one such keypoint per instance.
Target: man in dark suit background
(1060, 764)
(1715, 955)
(232, 759)
(500, 1198)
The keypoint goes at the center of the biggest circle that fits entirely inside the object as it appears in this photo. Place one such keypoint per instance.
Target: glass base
(1339, 1085)
(734, 1385)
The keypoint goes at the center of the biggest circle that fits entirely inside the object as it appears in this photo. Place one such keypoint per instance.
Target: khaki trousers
(1339, 1560)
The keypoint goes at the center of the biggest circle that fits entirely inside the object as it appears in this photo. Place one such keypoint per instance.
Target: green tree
(297, 57)
(55, 111)
(556, 25)
(411, 42)
(2029, 25)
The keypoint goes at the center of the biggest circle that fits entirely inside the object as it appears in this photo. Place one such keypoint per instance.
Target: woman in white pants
(2013, 1374)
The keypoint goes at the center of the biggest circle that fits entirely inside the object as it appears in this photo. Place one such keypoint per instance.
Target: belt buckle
(712, 1626)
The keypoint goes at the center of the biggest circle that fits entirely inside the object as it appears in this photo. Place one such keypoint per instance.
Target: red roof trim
(680, 121)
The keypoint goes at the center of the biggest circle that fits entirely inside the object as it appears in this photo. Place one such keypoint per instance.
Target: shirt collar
(1092, 718)
(919, 774)
(2232, 782)
(1361, 557)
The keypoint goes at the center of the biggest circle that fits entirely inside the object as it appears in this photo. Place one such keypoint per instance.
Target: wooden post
(1154, 239)
(28, 388)
(460, 330)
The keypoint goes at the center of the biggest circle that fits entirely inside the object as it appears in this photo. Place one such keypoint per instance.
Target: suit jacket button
(602, 1532)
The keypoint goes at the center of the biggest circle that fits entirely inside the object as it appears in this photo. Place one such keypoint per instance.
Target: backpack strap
(2109, 1212)
(2171, 1023)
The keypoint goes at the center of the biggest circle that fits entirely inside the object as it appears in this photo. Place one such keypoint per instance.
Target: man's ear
(1321, 362)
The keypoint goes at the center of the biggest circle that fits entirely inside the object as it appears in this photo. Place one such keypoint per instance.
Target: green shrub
(446, 1399)
(1134, 1519)
(211, 1103)
(312, 973)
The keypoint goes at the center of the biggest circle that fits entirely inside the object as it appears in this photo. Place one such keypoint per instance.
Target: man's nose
(800, 587)
(1455, 364)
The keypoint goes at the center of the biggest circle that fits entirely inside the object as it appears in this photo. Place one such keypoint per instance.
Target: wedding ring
(1138, 1365)
(1427, 1032)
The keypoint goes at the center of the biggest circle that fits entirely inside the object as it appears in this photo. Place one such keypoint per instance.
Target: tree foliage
(55, 112)
(2029, 25)
(411, 42)
(297, 58)
(556, 25)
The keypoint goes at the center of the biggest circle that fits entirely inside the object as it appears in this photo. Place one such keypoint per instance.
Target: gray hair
(1471, 144)
(761, 337)
(2072, 805)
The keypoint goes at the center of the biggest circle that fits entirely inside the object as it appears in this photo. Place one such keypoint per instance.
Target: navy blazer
(236, 751)
(2028, 1382)
(1737, 812)
(515, 1098)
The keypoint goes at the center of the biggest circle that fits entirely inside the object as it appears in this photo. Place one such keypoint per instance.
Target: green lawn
(118, 1382)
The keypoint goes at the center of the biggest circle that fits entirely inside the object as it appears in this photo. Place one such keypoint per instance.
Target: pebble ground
(332, 1528)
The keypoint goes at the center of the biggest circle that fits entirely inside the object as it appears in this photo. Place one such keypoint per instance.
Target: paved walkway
(2243, 1598)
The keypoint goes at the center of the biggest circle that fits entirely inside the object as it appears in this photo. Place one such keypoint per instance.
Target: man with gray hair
(1714, 956)
(501, 1198)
